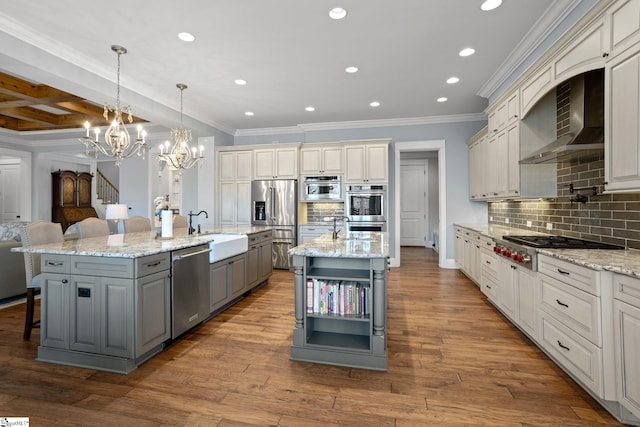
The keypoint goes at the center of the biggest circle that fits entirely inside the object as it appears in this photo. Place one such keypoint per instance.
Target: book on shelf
(337, 297)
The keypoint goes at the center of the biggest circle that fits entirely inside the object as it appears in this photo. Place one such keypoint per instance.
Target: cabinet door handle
(563, 272)
(55, 263)
(563, 346)
(488, 287)
(64, 281)
(561, 303)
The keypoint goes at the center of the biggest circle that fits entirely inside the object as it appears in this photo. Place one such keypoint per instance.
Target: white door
(9, 194)
(413, 204)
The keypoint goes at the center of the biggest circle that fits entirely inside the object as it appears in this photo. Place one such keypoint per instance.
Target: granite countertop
(355, 244)
(618, 261)
(135, 245)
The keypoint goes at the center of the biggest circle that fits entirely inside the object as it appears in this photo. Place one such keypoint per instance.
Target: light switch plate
(529, 224)
(506, 220)
(549, 226)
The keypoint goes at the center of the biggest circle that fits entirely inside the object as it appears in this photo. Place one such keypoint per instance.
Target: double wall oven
(366, 207)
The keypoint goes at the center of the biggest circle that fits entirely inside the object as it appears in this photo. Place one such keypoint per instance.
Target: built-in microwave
(321, 189)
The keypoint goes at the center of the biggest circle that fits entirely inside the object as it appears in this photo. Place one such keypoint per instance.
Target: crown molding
(547, 23)
(361, 124)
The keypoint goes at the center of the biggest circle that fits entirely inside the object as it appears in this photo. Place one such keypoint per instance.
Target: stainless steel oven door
(366, 226)
(367, 205)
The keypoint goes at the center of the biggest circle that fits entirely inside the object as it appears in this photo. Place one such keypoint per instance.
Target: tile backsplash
(316, 212)
(611, 218)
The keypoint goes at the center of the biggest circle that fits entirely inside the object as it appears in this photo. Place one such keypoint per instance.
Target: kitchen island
(340, 290)
(108, 302)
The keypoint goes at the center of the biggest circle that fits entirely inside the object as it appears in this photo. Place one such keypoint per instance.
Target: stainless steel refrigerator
(274, 202)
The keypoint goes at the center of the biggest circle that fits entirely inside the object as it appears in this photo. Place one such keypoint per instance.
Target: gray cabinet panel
(238, 276)
(219, 286)
(117, 317)
(85, 314)
(153, 311)
(54, 314)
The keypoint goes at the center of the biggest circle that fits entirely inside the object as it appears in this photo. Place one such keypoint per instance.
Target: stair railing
(107, 192)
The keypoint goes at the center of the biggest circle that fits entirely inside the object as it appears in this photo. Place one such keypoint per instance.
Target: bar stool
(36, 233)
(136, 223)
(92, 227)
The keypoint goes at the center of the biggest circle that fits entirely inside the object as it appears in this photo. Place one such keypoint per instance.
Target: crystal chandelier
(180, 155)
(117, 143)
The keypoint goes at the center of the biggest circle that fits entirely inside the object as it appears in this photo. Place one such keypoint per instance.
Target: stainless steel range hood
(586, 123)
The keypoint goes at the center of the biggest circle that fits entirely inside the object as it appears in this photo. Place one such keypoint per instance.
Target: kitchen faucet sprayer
(191, 215)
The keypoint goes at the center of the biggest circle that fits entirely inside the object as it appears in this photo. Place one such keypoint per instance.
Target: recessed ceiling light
(351, 69)
(248, 113)
(186, 37)
(240, 82)
(442, 99)
(467, 51)
(490, 4)
(374, 104)
(310, 108)
(337, 13)
(452, 80)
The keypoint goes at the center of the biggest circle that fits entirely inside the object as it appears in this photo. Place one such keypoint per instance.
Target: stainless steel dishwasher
(189, 288)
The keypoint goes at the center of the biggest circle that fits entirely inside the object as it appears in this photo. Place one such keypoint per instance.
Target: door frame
(431, 145)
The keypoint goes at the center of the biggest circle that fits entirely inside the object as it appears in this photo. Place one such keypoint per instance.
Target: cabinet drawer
(578, 356)
(489, 263)
(578, 310)
(575, 275)
(257, 238)
(627, 289)
(53, 263)
(489, 287)
(102, 266)
(152, 264)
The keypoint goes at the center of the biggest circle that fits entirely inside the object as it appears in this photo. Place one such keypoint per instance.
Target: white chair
(136, 224)
(180, 221)
(92, 227)
(36, 233)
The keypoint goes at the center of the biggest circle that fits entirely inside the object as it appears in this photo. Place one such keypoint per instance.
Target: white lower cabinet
(518, 296)
(490, 275)
(627, 341)
(573, 329)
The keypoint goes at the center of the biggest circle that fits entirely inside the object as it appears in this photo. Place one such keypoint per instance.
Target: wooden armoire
(71, 197)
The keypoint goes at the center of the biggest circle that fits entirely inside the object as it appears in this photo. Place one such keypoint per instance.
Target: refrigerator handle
(272, 190)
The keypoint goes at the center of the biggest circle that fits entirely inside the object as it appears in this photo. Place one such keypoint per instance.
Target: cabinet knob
(605, 54)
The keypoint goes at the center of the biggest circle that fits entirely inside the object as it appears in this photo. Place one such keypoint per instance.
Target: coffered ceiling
(58, 67)
(27, 106)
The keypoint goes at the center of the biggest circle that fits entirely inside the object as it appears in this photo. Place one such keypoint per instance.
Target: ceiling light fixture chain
(180, 156)
(117, 139)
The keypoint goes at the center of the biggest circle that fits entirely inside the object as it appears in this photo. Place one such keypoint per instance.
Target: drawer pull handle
(488, 262)
(65, 281)
(561, 303)
(55, 263)
(563, 346)
(563, 272)
(155, 264)
(488, 287)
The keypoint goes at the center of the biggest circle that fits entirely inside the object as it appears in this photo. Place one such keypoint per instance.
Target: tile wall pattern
(610, 218)
(317, 211)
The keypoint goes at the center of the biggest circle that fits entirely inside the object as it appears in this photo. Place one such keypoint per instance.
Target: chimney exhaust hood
(585, 137)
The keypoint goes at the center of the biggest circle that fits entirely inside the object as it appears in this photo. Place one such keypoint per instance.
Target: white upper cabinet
(274, 163)
(505, 113)
(234, 165)
(586, 52)
(624, 19)
(367, 163)
(622, 127)
(325, 160)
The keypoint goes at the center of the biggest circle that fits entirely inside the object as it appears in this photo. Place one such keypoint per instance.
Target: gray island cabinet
(110, 303)
(341, 301)
(104, 312)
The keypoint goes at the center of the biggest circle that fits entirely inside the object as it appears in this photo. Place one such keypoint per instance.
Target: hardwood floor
(453, 361)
